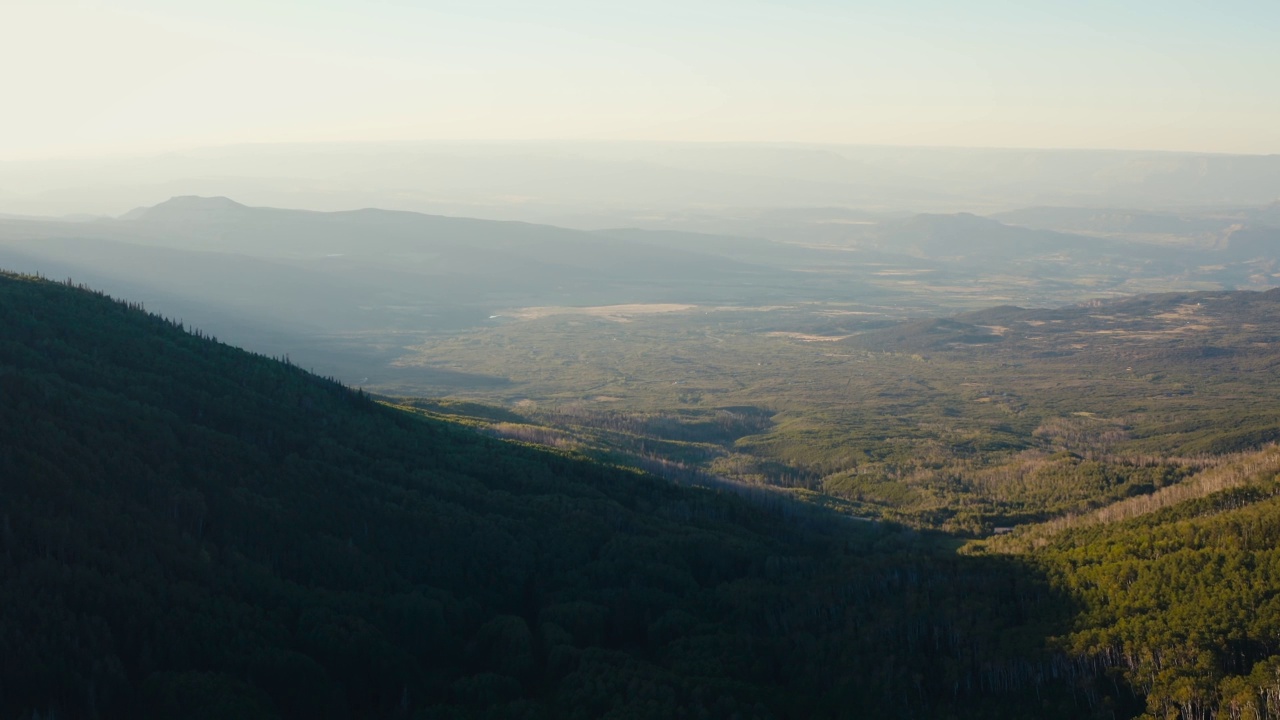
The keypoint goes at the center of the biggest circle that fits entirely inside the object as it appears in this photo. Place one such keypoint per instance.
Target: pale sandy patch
(804, 337)
(752, 308)
(616, 313)
(1182, 312)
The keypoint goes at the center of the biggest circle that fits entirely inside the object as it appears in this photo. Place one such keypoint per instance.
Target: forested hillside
(1179, 597)
(188, 530)
(191, 531)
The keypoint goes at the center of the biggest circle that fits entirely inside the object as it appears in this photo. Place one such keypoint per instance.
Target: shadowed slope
(189, 530)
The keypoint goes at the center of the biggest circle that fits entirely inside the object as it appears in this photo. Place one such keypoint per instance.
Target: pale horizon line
(110, 154)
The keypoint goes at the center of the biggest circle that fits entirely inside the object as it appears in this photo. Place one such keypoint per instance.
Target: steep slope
(188, 530)
(1178, 595)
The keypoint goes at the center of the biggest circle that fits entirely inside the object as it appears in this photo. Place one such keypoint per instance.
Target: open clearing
(617, 313)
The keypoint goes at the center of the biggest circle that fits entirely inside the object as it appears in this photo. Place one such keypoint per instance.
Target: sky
(81, 77)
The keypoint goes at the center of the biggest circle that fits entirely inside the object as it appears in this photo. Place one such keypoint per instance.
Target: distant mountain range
(281, 281)
(611, 184)
(360, 269)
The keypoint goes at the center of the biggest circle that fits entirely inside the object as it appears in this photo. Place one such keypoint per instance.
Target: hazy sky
(137, 75)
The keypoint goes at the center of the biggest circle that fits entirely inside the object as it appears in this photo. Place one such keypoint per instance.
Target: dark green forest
(188, 530)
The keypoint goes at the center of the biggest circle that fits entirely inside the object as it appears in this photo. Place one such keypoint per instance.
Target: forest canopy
(191, 530)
